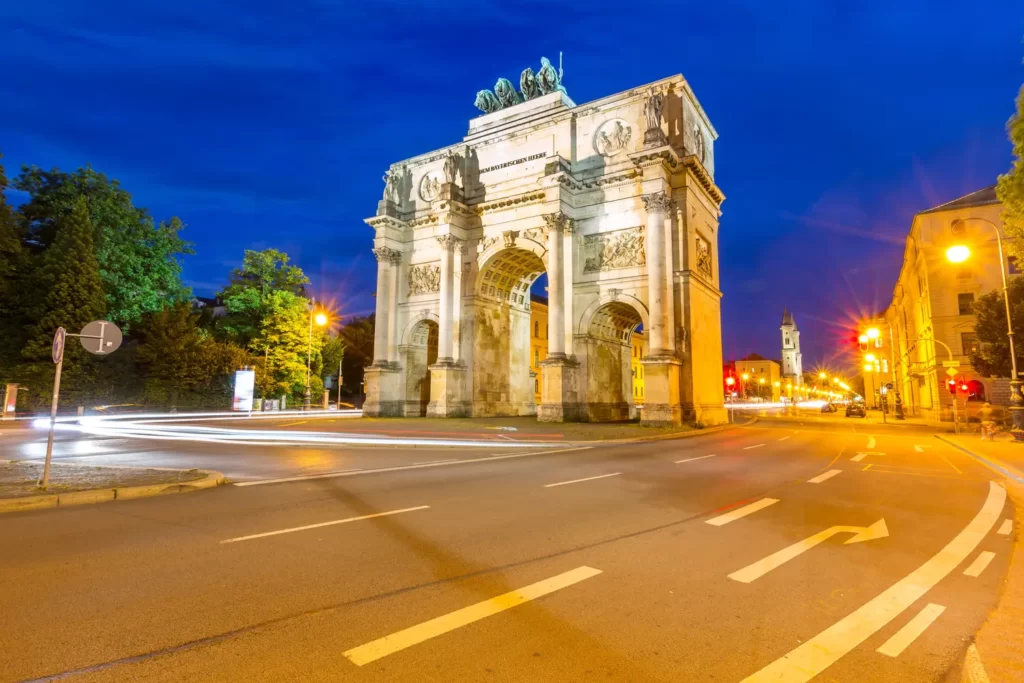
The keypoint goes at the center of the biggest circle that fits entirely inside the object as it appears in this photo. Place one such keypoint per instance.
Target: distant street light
(958, 253)
(321, 319)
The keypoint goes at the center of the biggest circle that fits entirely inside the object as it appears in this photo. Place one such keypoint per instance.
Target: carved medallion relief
(619, 249)
(612, 137)
(430, 186)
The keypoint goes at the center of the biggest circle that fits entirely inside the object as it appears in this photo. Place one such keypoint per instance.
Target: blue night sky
(269, 124)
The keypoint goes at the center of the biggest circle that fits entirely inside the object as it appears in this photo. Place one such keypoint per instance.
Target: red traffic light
(951, 386)
(729, 381)
(963, 387)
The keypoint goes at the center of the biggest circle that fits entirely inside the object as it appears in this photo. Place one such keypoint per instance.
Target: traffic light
(951, 385)
(963, 386)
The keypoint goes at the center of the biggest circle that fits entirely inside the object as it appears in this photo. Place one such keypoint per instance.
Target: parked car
(828, 408)
(856, 410)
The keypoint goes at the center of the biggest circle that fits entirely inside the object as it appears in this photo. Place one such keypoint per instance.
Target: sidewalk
(77, 484)
(998, 651)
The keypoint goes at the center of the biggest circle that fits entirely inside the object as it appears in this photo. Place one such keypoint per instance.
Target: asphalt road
(523, 565)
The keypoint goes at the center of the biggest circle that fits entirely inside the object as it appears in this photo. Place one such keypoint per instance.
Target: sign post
(105, 337)
(10, 401)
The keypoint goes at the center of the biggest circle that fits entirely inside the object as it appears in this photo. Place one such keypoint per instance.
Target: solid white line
(399, 468)
(699, 457)
(322, 524)
(1004, 528)
(783, 438)
(974, 670)
(918, 449)
(747, 448)
(434, 462)
(914, 628)
(823, 650)
(859, 457)
(732, 516)
(388, 645)
(979, 564)
(871, 442)
(576, 481)
(823, 477)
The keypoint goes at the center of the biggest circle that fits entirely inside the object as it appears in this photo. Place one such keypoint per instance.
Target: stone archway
(501, 379)
(608, 361)
(420, 352)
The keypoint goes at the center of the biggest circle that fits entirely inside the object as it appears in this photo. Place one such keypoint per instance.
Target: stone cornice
(509, 202)
(692, 163)
(385, 222)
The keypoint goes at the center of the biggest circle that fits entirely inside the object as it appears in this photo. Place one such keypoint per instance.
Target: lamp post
(960, 253)
(321, 320)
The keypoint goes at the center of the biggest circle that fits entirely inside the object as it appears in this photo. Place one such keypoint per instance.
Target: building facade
(792, 358)
(760, 378)
(614, 200)
(929, 319)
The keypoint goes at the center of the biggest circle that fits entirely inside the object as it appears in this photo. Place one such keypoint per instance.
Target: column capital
(386, 254)
(450, 242)
(559, 222)
(659, 201)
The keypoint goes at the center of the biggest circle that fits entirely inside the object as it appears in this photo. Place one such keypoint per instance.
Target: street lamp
(959, 253)
(320, 318)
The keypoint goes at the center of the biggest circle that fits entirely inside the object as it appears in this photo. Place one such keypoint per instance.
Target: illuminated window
(969, 343)
(965, 302)
(885, 365)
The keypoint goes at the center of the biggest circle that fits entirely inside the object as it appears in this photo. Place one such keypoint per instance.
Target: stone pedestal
(661, 392)
(559, 391)
(447, 390)
(382, 392)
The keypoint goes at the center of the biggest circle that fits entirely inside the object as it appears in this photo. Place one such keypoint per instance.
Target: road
(709, 558)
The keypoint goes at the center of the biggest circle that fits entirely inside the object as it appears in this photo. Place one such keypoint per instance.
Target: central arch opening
(616, 344)
(506, 331)
(420, 354)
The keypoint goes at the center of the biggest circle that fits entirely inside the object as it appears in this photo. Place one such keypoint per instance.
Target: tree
(1010, 188)
(357, 335)
(993, 359)
(249, 298)
(332, 353)
(13, 262)
(284, 341)
(138, 261)
(71, 295)
(179, 356)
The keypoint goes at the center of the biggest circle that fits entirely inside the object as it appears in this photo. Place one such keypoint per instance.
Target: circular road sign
(58, 344)
(101, 337)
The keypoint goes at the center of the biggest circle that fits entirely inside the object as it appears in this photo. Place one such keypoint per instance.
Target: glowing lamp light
(745, 377)
(870, 358)
(873, 333)
(958, 253)
(863, 339)
(868, 367)
(729, 381)
(761, 380)
(320, 319)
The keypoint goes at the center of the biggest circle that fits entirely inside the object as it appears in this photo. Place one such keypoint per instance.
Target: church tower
(792, 359)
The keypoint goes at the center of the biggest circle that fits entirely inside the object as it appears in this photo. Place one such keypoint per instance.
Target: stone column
(657, 206)
(444, 340)
(568, 270)
(395, 261)
(380, 327)
(556, 286)
(670, 282)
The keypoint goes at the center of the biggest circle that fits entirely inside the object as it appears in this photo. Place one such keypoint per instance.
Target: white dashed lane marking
(824, 477)
(732, 516)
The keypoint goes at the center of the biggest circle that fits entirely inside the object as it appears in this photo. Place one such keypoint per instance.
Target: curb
(53, 500)
(660, 437)
(992, 465)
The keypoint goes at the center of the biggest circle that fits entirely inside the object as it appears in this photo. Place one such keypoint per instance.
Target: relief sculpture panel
(619, 249)
(424, 279)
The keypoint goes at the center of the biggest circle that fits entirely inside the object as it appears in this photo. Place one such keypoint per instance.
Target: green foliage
(138, 261)
(331, 354)
(70, 295)
(357, 335)
(13, 262)
(249, 298)
(1010, 188)
(284, 338)
(990, 313)
(178, 356)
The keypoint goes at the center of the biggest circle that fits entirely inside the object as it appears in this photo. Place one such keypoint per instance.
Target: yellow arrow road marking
(758, 569)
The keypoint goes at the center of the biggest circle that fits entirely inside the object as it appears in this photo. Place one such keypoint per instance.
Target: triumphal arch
(614, 201)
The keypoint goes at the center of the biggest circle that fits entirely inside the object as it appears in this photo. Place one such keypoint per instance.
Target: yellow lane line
(823, 650)
(388, 645)
(909, 633)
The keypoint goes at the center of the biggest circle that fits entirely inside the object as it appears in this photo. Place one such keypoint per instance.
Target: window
(536, 386)
(536, 329)
(547, 334)
(964, 302)
(964, 274)
(969, 343)
(885, 365)
(536, 356)
(1011, 265)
